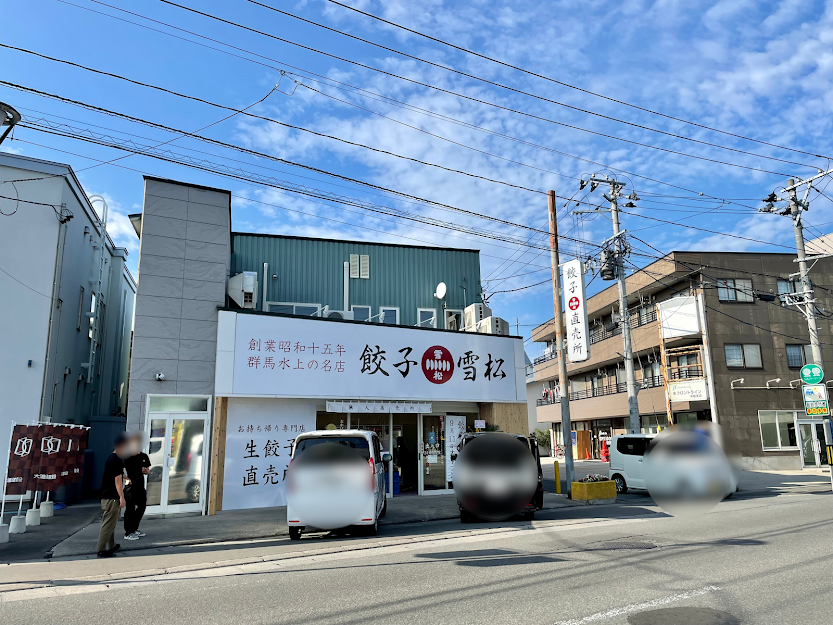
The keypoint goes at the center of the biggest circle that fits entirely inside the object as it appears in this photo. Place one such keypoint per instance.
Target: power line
(703, 158)
(362, 92)
(564, 84)
(267, 119)
(267, 156)
(249, 199)
(519, 91)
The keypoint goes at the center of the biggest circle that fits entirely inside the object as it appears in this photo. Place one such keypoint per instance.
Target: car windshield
(358, 443)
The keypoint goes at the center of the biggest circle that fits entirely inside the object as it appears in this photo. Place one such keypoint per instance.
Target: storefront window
(777, 429)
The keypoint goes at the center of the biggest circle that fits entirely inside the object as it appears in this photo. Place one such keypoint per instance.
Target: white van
(336, 480)
(626, 455)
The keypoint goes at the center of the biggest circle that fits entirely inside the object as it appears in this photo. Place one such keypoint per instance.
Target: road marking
(639, 607)
(274, 562)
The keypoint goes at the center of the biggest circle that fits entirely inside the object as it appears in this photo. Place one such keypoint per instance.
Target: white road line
(638, 607)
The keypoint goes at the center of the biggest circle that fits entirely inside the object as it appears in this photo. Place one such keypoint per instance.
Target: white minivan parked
(626, 457)
(336, 480)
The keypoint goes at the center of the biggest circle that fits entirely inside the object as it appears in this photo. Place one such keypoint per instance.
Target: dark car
(537, 500)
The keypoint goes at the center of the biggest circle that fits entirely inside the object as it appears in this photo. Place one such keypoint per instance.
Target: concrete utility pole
(563, 386)
(805, 300)
(619, 259)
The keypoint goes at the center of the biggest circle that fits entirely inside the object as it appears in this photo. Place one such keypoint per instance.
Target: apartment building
(756, 344)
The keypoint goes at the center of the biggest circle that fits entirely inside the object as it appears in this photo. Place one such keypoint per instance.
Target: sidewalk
(257, 523)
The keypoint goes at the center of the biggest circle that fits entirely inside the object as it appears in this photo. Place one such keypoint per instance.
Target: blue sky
(758, 69)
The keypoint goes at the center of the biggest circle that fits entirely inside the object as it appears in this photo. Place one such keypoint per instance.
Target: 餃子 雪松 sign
(265, 355)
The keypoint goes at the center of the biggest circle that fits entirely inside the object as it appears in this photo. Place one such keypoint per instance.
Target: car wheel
(295, 533)
(384, 508)
(621, 485)
(466, 516)
(529, 515)
(193, 491)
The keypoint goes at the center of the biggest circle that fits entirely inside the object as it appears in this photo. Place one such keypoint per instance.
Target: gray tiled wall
(183, 271)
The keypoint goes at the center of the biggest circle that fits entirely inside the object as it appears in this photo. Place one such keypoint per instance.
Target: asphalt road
(756, 560)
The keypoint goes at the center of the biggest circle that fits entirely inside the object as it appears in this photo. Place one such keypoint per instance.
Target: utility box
(474, 314)
(493, 325)
(242, 289)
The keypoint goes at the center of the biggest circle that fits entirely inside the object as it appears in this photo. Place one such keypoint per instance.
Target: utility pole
(804, 300)
(563, 386)
(8, 117)
(619, 261)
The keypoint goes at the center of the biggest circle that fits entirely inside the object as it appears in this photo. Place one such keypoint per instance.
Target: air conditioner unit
(242, 289)
(474, 314)
(339, 314)
(493, 325)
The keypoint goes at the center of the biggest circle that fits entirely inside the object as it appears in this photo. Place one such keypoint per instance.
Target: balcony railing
(598, 334)
(601, 391)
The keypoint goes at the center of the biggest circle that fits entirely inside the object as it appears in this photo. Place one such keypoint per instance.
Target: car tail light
(372, 466)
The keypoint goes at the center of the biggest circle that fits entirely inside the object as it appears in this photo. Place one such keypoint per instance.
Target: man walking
(137, 467)
(112, 496)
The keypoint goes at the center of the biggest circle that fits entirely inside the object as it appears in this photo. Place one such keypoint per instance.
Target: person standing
(112, 496)
(137, 467)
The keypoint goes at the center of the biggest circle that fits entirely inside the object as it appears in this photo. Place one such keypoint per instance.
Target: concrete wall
(183, 273)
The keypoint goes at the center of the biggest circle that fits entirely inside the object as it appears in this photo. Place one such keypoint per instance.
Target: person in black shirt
(112, 496)
(137, 467)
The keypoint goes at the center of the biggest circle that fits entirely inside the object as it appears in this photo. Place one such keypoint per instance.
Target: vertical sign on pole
(578, 344)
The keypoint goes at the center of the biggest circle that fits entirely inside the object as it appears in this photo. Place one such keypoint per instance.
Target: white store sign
(455, 427)
(259, 436)
(578, 345)
(273, 356)
(690, 390)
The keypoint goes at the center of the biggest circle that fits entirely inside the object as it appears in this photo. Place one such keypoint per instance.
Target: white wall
(28, 241)
(533, 394)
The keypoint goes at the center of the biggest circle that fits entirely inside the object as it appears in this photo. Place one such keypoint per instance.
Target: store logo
(437, 364)
(573, 303)
(50, 445)
(23, 447)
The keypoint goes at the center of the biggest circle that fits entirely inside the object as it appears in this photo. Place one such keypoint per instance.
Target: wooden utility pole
(566, 427)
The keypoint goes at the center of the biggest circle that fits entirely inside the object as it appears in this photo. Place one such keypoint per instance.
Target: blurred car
(483, 472)
(677, 463)
(336, 480)
(626, 455)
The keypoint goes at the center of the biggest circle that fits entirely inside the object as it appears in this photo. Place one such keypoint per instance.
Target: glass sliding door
(177, 448)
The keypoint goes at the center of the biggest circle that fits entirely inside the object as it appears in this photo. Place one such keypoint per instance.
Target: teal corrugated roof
(311, 271)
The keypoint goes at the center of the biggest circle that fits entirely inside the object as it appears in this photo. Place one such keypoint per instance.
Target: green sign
(812, 374)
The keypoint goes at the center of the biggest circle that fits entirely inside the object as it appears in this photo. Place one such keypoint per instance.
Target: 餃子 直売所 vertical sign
(575, 309)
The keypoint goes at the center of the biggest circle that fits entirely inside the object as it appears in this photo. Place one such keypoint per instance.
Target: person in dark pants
(112, 496)
(137, 467)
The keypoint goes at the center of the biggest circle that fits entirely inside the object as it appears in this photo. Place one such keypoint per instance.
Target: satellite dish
(440, 293)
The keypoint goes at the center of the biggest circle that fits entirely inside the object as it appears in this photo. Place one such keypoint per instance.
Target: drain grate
(628, 544)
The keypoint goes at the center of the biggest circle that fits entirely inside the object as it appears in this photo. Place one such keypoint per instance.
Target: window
(734, 290)
(426, 317)
(453, 319)
(80, 309)
(361, 313)
(777, 429)
(291, 308)
(92, 316)
(389, 315)
(747, 356)
(631, 446)
(798, 356)
(785, 286)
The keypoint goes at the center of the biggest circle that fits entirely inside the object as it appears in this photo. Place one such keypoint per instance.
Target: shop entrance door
(431, 455)
(178, 470)
(811, 442)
